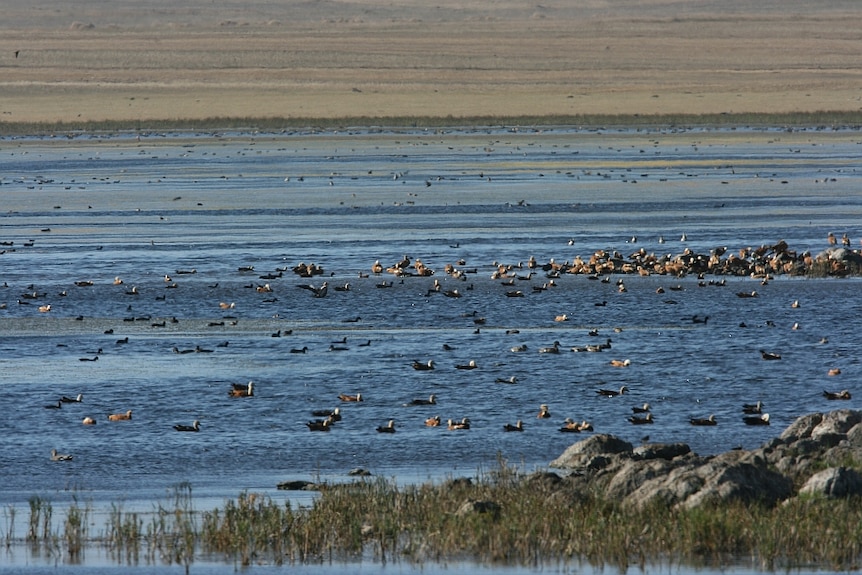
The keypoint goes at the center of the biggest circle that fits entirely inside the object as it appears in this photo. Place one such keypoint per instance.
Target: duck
(331, 414)
(518, 348)
(388, 428)
(512, 379)
(620, 362)
(303, 349)
(78, 399)
(519, 426)
(470, 365)
(769, 356)
(703, 421)
(319, 425)
(433, 421)
(240, 390)
(745, 294)
(544, 413)
(562, 317)
(432, 400)
(454, 425)
(834, 371)
(843, 394)
(60, 456)
(195, 426)
(419, 366)
(350, 398)
(641, 420)
(120, 416)
(645, 408)
(57, 405)
(612, 392)
(555, 348)
(752, 408)
(88, 421)
(570, 426)
(762, 419)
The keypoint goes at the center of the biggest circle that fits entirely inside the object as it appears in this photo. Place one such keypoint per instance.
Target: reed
(123, 535)
(9, 521)
(75, 530)
(498, 517)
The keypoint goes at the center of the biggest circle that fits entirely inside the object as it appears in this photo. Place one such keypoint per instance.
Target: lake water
(92, 209)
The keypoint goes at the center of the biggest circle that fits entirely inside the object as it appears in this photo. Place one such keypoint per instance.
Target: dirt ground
(157, 59)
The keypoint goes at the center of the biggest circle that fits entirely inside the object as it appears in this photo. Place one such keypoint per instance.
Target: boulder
(582, 453)
(833, 482)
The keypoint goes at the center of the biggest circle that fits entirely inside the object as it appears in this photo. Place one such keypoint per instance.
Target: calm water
(86, 209)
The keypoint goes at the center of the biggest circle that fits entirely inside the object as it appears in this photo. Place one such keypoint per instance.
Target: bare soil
(94, 60)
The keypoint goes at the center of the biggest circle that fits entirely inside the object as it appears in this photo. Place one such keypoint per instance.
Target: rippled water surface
(93, 209)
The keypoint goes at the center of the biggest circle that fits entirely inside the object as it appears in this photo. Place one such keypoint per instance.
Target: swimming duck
(239, 390)
(471, 365)
(427, 366)
(88, 421)
(195, 426)
(60, 456)
(620, 362)
(78, 399)
(432, 400)
(643, 409)
(319, 425)
(543, 412)
(346, 397)
(463, 424)
(433, 421)
(641, 420)
(388, 428)
(570, 426)
(703, 421)
(120, 416)
(57, 405)
(769, 355)
(519, 426)
(843, 394)
(834, 371)
(612, 392)
(756, 419)
(555, 348)
(752, 408)
(519, 348)
(512, 379)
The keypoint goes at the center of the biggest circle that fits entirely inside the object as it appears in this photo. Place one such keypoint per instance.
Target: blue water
(92, 209)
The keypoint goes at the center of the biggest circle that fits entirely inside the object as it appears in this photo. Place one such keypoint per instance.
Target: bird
(756, 419)
(349, 398)
(612, 392)
(332, 414)
(519, 426)
(319, 425)
(511, 379)
(544, 413)
(60, 456)
(388, 428)
(620, 362)
(642, 409)
(432, 421)
(88, 421)
(303, 349)
(120, 416)
(432, 400)
(57, 405)
(519, 348)
(769, 355)
(752, 408)
(641, 420)
(555, 348)
(240, 390)
(703, 421)
(570, 426)
(470, 365)
(454, 425)
(427, 366)
(843, 394)
(834, 371)
(195, 426)
(78, 399)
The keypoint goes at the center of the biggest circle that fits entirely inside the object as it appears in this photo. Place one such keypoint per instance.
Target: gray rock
(661, 450)
(579, 454)
(833, 482)
(296, 485)
(472, 506)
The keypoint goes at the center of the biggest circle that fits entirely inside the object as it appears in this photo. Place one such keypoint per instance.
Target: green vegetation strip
(788, 120)
(501, 517)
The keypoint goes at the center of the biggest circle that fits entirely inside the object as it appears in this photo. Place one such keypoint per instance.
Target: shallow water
(92, 209)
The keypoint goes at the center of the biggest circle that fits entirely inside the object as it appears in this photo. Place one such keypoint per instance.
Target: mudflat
(96, 60)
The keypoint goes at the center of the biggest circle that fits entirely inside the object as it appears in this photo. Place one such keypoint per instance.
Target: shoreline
(821, 120)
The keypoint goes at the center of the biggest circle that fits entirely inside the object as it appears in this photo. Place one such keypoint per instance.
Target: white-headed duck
(641, 420)
(88, 421)
(388, 428)
(752, 408)
(612, 392)
(470, 365)
(432, 421)
(195, 426)
(240, 390)
(756, 419)
(427, 366)
(463, 424)
(346, 397)
(120, 416)
(544, 413)
(60, 456)
(843, 394)
(432, 400)
(78, 399)
(620, 362)
(519, 426)
(703, 421)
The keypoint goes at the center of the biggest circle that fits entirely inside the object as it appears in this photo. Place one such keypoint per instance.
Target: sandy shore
(99, 61)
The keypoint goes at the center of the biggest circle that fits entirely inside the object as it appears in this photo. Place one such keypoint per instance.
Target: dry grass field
(130, 61)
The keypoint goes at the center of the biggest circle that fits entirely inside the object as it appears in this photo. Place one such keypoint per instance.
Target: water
(92, 209)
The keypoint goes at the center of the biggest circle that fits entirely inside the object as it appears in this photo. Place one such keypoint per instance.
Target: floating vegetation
(500, 517)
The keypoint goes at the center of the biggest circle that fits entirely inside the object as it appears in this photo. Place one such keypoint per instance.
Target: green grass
(823, 119)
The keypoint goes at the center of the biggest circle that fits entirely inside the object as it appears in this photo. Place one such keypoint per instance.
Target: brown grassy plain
(133, 62)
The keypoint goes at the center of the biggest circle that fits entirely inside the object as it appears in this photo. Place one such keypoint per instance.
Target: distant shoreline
(824, 119)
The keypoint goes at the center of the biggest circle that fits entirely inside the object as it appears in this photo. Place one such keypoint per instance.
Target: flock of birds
(326, 419)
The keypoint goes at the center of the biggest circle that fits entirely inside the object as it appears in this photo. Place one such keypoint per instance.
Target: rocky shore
(812, 457)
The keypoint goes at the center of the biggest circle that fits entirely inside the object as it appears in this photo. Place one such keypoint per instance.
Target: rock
(296, 485)
(472, 506)
(582, 453)
(833, 482)
(661, 450)
(359, 472)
